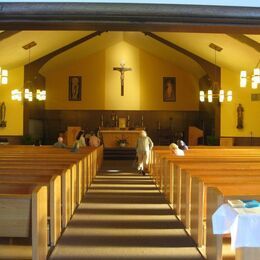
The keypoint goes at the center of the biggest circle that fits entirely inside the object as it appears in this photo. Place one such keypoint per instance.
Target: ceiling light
(3, 76)
(28, 93)
(214, 91)
(255, 78)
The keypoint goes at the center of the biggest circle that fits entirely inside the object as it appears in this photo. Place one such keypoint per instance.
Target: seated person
(60, 143)
(181, 144)
(87, 136)
(94, 141)
(176, 150)
(81, 139)
(75, 146)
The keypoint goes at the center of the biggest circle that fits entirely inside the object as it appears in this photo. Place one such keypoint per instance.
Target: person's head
(143, 134)
(92, 133)
(173, 146)
(182, 145)
(60, 139)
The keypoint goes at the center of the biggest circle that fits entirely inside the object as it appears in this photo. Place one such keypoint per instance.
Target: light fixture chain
(257, 64)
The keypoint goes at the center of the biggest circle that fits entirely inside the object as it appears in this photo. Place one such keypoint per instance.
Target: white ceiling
(235, 55)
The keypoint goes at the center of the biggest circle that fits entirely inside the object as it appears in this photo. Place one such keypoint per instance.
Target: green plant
(28, 140)
(212, 140)
(121, 141)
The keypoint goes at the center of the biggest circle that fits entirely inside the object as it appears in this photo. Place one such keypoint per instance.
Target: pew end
(24, 215)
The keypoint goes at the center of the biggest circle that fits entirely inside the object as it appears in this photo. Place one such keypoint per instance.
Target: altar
(112, 137)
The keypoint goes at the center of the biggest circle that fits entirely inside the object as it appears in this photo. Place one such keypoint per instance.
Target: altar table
(110, 137)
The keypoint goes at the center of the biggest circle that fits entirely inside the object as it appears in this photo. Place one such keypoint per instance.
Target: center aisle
(124, 216)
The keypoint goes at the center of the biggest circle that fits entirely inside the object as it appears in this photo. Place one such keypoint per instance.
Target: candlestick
(102, 120)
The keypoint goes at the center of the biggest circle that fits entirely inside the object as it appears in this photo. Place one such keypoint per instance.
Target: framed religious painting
(75, 83)
(169, 89)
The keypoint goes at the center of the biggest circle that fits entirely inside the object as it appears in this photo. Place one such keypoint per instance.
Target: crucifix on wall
(122, 69)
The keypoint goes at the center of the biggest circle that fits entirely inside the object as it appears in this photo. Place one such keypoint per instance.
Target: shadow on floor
(124, 216)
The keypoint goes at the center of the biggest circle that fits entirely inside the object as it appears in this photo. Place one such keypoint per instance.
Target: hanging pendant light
(3, 76)
(255, 78)
(213, 92)
(27, 93)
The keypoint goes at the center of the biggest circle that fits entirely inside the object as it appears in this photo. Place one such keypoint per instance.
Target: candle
(142, 117)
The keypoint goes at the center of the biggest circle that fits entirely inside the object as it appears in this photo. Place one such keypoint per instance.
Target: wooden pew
(220, 171)
(252, 157)
(198, 196)
(76, 194)
(177, 165)
(75, 165)
(38, 165)
(215, 197)
(90, 157)
(53, 183)
(24, 214)
(65, 184)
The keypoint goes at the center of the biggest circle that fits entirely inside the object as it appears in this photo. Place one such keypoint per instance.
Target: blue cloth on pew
(251, 203)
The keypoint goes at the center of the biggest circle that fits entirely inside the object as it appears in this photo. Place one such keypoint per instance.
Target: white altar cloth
(242, 223)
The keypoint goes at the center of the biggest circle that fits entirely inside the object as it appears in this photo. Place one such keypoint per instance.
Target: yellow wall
(101, 85)
(92, 70)
(230, 80)
(14, 109)
(128, 54)
(152, 70)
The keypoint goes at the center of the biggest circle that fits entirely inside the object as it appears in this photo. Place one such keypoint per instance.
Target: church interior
(152, 57)
(173, 171)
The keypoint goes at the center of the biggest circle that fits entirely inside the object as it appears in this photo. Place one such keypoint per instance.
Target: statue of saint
(2, 115)
(240, 117)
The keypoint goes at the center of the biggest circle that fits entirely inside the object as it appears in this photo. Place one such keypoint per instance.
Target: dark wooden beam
(211, 69)
(213, 74)
(246, 40)
(149, 17)
(37, 64)
(6, 34)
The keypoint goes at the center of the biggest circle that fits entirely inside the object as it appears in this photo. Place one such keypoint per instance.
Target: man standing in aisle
(143, 150)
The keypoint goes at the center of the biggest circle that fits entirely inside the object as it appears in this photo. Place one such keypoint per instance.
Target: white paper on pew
(242, 223)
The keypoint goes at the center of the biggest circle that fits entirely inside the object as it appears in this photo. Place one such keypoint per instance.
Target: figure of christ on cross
(122, 69)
